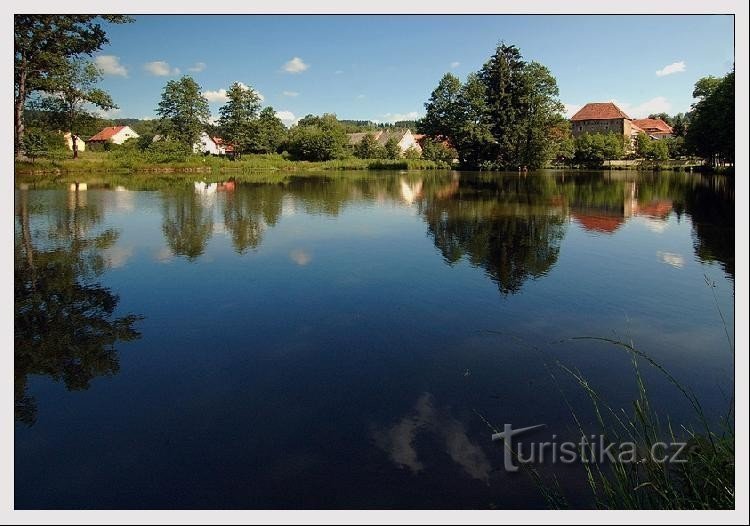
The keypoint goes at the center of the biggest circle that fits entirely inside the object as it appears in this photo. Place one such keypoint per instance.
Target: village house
(601, 117)
(405, 138)
(113, 135)
(654, 128)
(80, 144)
(209, 145)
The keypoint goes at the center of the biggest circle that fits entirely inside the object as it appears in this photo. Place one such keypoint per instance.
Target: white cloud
(108, 114)
(290, 93)
(669, 69)
(110, 65)
(338, 72)
(644, 109)
(296, 65)
(160, 68)
(361, 96)
(197, 67)
(393, 117)
(571, 109)
(454, 65)
(287, 117)
(219, 95)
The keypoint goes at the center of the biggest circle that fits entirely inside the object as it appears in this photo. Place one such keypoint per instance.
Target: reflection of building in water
(607, 216)
(410, 192)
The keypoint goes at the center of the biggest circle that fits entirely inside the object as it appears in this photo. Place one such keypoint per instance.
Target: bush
(167, 152)
(438, 151)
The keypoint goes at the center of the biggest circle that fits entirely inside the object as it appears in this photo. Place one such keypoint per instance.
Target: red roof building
(656, 128)
(601, 117)
(599, 111)
(114, 134)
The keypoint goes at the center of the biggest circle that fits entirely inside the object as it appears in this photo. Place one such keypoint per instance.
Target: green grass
(119, 162)
(705, 480)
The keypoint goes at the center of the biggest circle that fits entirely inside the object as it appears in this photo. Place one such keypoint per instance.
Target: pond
(351, 340)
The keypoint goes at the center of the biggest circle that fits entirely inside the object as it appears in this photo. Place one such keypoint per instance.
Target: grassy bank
(107, 162)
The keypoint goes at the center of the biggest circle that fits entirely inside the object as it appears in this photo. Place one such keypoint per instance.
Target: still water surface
(339, 342)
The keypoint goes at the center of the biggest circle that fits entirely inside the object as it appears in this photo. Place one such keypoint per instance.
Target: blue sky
(383, 67)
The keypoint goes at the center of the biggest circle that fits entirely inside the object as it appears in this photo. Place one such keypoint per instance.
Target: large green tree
(711, 131)
(269, 132)
(43, 46)
(317, 138)
(502, 116)
(443, 116)
(183, 111)
(73, 90)
(237, 117)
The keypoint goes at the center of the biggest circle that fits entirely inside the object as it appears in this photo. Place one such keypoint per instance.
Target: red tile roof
(599, 111)
(107, 133)
(653, 125)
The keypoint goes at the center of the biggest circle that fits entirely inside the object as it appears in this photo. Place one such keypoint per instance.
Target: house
(113, 135)
(404, 138)
(654, 128)
(601, 117)
(209, 145)
(80, 144)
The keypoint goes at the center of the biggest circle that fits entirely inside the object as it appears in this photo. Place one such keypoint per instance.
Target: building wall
(408, 141)
(621, 126)
(123, 135)
(69, 142)
(206, 145)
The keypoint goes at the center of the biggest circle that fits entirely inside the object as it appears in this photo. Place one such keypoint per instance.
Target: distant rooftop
(599, 111)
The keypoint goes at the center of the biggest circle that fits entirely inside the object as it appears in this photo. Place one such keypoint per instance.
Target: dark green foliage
(438, 151)
(237, 120)
(43, 47)
(391, 149)
(317, 139)
(183, 111)
(593, 149)
(501, 117)
(368, 148)
(711, 131)
(268, 133)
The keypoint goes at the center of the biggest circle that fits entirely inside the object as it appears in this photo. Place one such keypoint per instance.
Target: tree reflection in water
(64, 324)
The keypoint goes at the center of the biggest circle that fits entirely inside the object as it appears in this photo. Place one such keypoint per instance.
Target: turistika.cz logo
(592, 449)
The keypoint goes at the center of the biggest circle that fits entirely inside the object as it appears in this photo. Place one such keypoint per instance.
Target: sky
(384, 67)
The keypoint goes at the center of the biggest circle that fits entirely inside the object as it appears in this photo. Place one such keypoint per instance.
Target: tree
(543, 112)
(679, 125)
(43, 46)
(663, 116)
(183, 111)
(711, 131)
(443, 110)
(72, 90)
(368, 148)
(642, 145)
(237, 117)
(502, 116)
(438, 151)
(317, 138)
(269, 132)
(391, 149)
(659, 151)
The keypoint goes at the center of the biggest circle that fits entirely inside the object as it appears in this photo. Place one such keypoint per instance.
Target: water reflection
(400, 440)
(64, 324)
(187, 221)
(507, 226)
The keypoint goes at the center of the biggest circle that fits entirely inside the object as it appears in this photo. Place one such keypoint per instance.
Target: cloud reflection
(399, 440)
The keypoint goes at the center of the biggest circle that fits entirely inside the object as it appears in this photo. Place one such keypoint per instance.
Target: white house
(209, 145)
(114, 135)
(81, 145)
(405, 138)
